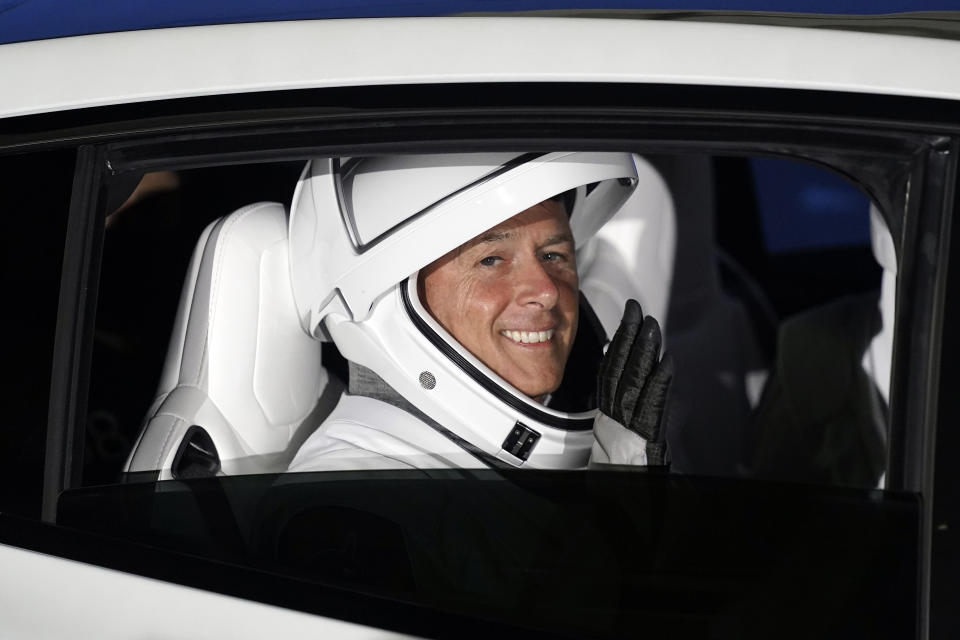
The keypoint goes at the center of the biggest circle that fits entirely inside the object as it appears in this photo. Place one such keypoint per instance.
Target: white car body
(119, 68)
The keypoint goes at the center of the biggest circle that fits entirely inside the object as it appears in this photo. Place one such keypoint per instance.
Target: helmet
(361, 230)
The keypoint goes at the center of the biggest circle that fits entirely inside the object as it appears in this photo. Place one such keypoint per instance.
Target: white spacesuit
(361, 231)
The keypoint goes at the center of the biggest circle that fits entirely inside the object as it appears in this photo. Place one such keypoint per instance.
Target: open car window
(741, 315)
(797, 426)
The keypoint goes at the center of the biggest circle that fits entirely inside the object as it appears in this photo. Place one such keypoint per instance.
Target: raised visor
(583, 554)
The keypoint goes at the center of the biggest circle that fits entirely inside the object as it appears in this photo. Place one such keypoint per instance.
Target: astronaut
(450, 284)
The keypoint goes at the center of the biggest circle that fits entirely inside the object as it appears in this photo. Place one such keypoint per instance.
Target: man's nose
(535, 286)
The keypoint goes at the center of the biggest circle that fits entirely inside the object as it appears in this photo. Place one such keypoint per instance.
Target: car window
(729, 302)
(766, 453)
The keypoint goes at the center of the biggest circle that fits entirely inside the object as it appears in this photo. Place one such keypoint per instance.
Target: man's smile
(528, 337)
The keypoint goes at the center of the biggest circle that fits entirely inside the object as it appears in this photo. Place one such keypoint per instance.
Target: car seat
(632, 255)
(823, 417)
(878, 358)
(661, 252)
(243, 384)
(715, 340)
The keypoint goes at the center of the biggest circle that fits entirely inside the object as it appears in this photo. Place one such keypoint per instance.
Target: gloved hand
(632, 394)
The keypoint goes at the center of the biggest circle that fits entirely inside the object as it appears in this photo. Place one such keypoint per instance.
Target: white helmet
(360, 231)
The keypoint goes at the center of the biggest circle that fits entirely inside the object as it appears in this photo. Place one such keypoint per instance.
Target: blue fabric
(37, 19)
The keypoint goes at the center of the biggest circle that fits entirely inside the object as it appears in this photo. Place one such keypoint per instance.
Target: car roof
(128, 67)
(23, 20)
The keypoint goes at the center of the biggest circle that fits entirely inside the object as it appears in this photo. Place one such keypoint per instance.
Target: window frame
(920, 134)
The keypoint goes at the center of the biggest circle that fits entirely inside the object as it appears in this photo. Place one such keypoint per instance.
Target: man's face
(510, 296)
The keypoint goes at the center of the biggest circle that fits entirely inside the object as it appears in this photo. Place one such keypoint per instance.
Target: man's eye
(554, 256)
(489, 261)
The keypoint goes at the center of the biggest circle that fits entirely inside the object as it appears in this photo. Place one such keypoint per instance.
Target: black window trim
(73, 343)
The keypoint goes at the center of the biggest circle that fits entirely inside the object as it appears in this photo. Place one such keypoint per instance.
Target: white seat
(878, 359)
(239, 366)
(632, 255)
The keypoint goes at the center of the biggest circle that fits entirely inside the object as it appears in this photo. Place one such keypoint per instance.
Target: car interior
(201, 377)
(197, 327)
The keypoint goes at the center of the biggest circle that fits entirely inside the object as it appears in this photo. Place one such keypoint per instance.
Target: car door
(71, 165)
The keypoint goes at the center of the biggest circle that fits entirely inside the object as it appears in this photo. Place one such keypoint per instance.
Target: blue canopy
(22, 20)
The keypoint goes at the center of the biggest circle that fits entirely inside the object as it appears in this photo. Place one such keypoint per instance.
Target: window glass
(35, 201)
(582, 555)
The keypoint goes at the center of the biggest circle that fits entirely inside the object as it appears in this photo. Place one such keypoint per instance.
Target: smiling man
(459, 364)
(510, 296)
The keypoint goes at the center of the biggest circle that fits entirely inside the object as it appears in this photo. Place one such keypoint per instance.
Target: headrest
(632, 255)
(237, 335)
(881, 241)
(878, 360)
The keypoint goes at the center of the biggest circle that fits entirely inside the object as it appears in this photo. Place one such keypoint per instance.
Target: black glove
(633, 382)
